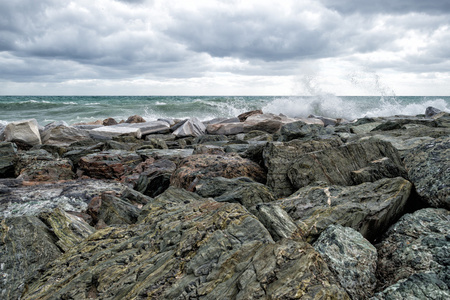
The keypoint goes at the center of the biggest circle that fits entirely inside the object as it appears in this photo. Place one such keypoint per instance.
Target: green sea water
(75, 109)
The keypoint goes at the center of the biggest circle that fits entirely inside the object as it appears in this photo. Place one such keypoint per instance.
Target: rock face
(63, 135)
(429, 169)
(26, 246)
(368, 208)
(351, 257)
(416, 247)
(338, 165)
(26, 132)
(188, 247)
(278, 158)
(195, 167)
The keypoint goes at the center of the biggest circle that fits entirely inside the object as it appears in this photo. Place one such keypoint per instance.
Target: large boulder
(188, 247)
(415, 247)
(302, 130)
(195, 167)
(370, 208)
(26, 246)
(63, 135)
(351, 258)
(191, 127)
(338, 165)
(23, 132)
(112, 164)
(240, 190)
(429, 169)
(278, 158)
(8, 158)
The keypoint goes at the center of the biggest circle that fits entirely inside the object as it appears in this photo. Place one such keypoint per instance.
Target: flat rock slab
(17, 198)
(369, 208)
(188, 247)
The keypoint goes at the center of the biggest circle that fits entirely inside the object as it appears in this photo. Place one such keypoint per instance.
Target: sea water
(77, 109)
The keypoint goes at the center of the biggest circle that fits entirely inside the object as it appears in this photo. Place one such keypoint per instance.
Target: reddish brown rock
(112, 164)
(197, 166)
(135, 119)
(109, 122)
(244, 116)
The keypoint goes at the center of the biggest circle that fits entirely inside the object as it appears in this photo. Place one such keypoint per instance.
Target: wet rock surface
(111, 215)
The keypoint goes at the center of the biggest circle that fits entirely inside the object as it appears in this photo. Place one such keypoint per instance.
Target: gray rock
(278, 158)
(337, 165)
(429, 169)
(351, 258)
(418, 243)
(170, 154)
(26, 246)
(63, 135)
(70, 196)
(426, 286)
(225, 128)
(192, 127)
(370, 208)
(431, 111)
(114, 211)
(107, 132)
(188, 247)
(302, 130)
(8, 158)
(26, 131)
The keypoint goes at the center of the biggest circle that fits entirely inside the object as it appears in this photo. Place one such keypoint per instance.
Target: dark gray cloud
(389, 6)
(61, 40)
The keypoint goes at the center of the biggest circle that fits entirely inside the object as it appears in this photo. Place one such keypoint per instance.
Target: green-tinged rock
(351, 258)
(429, 169)
(115, 211)
(69, 229)
(278, 158)
(240, 190)
(417, 243)
(369, 208)
(301, 130)
(26, 246)
(336, 165)
(188, 247)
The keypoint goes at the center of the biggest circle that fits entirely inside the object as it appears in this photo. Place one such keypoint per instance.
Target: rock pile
(255, 207)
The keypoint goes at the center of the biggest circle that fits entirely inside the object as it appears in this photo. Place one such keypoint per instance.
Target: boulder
(192, 127)
(23, 132)
(418, 244)
(240, 190)
(26, 246)
(8, 158)
(278, 158)
(69, 229)
(302, 130)
(135, 119)
(188, 247)
(242, 117)
(170, 154)
(225, 128)
(198, 166)
(112, 164)
(337, 165)
(107, 132)
(153, 176)
(63, 135)
(109, 122)
(370, 208)
(429, 169)
(269, 123)
(351, 258)
(431, 111)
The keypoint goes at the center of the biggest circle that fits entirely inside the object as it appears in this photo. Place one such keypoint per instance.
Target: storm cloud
(63, 41)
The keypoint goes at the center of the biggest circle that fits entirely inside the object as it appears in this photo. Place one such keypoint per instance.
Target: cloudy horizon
(155, 47)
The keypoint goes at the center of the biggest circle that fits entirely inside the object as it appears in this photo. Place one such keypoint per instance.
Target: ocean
(76, 109)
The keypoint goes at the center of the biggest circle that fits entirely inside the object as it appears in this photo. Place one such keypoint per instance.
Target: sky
(225, 47)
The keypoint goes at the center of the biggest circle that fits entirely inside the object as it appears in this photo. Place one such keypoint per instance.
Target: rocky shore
(259, 206)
